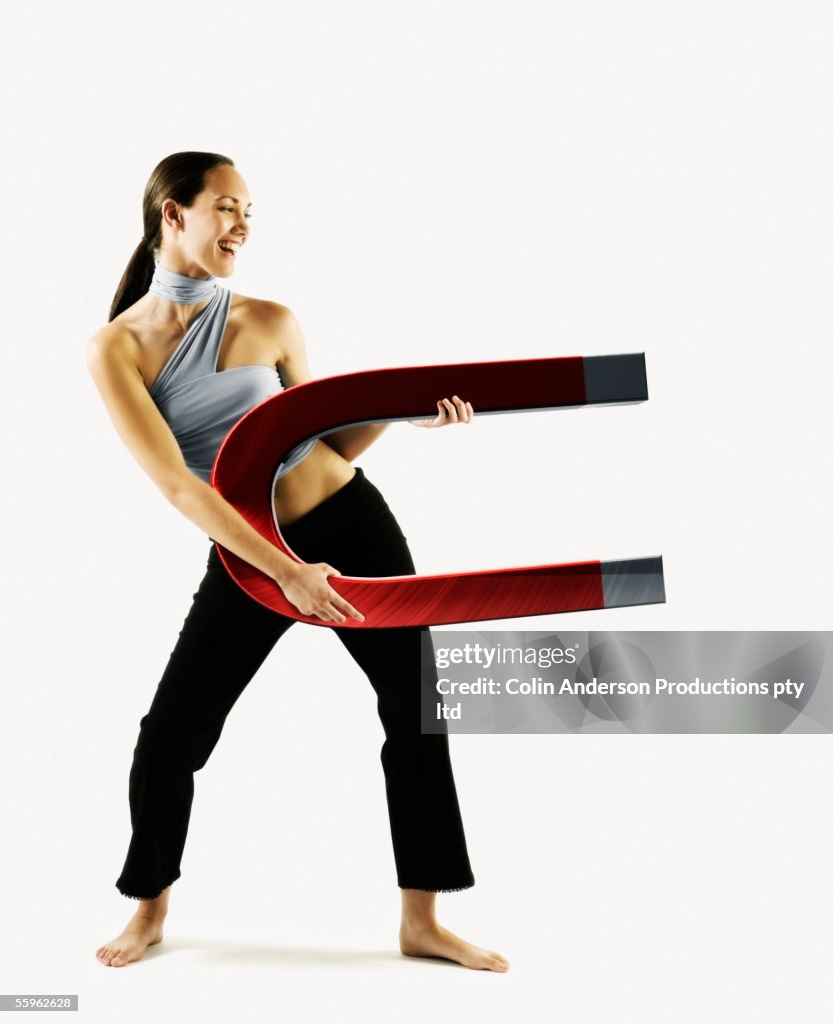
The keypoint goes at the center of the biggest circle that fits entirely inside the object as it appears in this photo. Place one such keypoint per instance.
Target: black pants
(225, 639)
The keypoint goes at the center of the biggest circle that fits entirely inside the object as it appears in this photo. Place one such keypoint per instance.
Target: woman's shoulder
(113, 339)
(262, 309)
(266, 315)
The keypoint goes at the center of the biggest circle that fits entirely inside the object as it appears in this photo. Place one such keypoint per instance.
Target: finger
(452, 412)
(336, 614)
(345, 606)
(462, 409)
(330, 570)
(471, 411)
(342, 604)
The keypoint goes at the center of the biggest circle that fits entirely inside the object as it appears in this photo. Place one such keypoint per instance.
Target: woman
(162, 367)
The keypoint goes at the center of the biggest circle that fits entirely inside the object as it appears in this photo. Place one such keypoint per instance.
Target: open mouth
(227, 249)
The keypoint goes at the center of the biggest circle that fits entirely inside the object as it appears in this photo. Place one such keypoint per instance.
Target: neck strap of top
(167, 284)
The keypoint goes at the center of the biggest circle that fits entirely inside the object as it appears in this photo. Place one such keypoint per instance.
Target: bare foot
(431, 939)
(141, 931)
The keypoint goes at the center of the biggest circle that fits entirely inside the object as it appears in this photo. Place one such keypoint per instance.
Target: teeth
(229, 246)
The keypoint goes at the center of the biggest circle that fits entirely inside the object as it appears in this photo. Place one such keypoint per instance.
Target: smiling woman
(186, 191)
(180, 360)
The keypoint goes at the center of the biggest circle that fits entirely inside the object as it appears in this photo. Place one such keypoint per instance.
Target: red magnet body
(254, 448)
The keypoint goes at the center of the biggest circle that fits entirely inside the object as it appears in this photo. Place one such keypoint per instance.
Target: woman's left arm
(349, 442)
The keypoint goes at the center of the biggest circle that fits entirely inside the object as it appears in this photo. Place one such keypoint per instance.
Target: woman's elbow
(338, 446)
(179, 487)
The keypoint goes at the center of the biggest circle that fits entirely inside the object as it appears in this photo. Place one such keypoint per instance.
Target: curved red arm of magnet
(252, 451)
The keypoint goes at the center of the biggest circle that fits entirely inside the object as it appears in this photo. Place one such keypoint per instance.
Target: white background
(432, 182)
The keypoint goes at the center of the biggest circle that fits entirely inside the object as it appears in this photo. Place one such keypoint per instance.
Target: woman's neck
(180, 288)
(177, 298)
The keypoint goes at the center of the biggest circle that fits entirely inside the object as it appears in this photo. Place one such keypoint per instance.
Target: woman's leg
(225, 638)
(355, 531)
(429, 842)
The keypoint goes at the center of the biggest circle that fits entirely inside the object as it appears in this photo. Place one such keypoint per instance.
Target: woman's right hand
(305, 586)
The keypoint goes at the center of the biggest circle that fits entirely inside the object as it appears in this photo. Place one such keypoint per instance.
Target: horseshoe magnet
(254, 448)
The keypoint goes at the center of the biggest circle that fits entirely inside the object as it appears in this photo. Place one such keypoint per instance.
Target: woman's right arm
(146, 434)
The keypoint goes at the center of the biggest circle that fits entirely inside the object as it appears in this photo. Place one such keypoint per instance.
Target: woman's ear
(170, 212)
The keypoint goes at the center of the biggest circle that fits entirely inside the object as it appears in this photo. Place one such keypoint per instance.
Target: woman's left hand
(459, 412)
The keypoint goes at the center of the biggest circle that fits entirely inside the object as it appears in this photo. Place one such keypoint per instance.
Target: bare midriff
(316, 477)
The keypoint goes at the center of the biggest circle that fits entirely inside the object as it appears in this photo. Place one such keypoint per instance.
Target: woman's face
(220, 213)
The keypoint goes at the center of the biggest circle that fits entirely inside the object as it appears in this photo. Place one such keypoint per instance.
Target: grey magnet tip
(620, 378)
(629, 581)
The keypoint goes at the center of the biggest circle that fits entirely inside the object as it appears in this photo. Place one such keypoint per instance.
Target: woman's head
(188, 208)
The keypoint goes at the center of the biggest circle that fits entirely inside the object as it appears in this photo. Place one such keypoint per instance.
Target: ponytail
(135, 280)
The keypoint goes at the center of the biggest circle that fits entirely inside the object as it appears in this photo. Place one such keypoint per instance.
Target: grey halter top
(199, 403)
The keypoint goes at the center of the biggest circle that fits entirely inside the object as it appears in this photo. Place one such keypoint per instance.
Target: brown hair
(181, 177)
